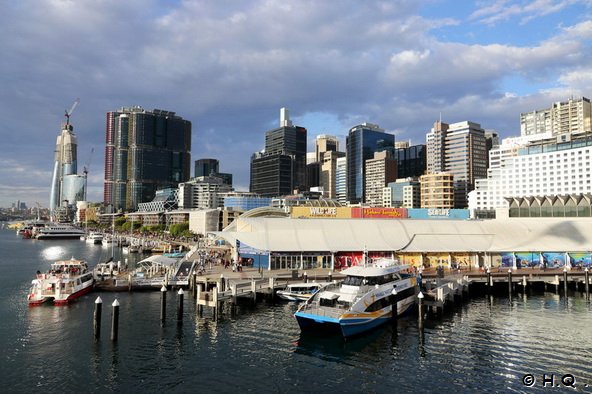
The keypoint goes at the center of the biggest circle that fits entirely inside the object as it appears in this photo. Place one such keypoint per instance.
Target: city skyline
(218, 66)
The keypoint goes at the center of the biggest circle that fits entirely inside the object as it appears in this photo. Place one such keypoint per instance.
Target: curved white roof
(409, 235)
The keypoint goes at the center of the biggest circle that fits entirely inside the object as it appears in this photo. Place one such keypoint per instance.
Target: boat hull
(71, 297)
(349, 324)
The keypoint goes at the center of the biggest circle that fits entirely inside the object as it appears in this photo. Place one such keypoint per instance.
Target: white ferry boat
(301, 291)
(58, 231)
(65, 281)
(94, 238)
(364, 300)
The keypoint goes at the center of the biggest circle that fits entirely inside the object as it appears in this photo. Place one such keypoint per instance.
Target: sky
(229, 66)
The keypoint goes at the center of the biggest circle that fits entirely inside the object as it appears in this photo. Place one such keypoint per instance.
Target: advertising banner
(528, 259)
(580, 260)
(379, 213)
(507, 259)
(553, 259)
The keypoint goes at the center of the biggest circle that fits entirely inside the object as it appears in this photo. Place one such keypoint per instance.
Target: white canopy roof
(158, 259)
(409, 235)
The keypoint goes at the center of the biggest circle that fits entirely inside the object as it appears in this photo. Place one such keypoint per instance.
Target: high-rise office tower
(380, 171)
(361, 144)
(281, 167)
(206, 167)
(211, 167)
(145, 151)
(66, 185)
(411, 161)
(459, 149)
(325, 143)
(341, 179)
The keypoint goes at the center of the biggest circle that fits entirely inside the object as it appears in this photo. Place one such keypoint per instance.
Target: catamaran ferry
(65, 281)
(364, 300)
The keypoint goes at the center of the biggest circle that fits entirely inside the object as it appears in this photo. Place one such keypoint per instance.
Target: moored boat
(94, 238)
(301, 291)
(364, 300)
(58, 231)
(65, 281)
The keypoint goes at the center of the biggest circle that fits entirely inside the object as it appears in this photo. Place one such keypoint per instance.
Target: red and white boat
(65, 281)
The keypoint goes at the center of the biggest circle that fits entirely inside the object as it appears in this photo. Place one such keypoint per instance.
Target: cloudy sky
(228, 66)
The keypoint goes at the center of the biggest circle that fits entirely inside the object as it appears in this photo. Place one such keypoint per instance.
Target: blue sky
(230, 66)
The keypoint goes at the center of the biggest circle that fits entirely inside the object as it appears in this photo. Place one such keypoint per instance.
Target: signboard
(579, 260)
(379, 213)
(321, 212)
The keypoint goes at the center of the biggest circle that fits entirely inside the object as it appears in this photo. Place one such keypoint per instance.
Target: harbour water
(486, 345)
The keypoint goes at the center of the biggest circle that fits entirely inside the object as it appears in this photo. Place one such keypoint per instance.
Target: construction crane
(87, 164)
(69, 113)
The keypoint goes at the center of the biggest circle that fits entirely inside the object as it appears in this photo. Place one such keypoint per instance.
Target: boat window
(353, 281)
(327, 302)
(378, 305)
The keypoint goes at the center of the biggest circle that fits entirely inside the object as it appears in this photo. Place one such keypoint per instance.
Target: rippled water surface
(487, 345)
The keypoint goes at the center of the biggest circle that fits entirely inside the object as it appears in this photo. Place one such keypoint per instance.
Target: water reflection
(53, 253)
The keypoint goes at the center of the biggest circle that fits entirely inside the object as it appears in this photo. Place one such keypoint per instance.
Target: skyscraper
(459, 149)
(380, 170)
(361, 144)
(145, 151)
(281, 167)
(411, 161)
(65, 183)
(205, 167)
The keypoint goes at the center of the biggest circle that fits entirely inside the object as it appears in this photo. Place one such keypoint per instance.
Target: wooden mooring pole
(180, 307)
(587, 286)
(97, 318)
(115, 321)
(163, 291)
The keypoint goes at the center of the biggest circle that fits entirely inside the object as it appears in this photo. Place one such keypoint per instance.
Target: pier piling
(510, 282)
(180, 307)
(420, 306)
(565, 281)
(163, 291)
(115, 321)
(97, 318)
(330, 277)
(305, 277)
(395, 310)
(489, 284)
(587, 285)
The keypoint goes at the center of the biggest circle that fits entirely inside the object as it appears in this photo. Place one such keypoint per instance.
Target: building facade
(361, 144)
(204, 192)
(380, 170)
(341, 180)
(211, 167)
(403, 193)
(573, 116)
(145, 151)
(437, 191)
(206, 167)
(281, 167)
(411, 161)
(328, 175)
(461, 150)
(66, 185)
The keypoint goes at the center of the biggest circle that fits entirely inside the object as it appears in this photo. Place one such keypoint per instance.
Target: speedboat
(367, 298)
(65, 281)
(301, 291)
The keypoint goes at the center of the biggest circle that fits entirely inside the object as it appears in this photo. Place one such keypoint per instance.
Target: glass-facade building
(281, 167)
(145, 151)
(361, 144)
(411, 161)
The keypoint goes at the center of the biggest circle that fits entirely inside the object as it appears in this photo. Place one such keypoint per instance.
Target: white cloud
(229, 66)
